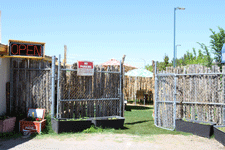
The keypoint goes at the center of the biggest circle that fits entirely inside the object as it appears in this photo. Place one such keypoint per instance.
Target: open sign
(25, 48)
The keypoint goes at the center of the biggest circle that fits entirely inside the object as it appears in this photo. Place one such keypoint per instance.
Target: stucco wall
(4, 77)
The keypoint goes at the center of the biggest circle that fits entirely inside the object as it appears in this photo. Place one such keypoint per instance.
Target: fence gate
(194, 93)
(165, 97)
(89, 96)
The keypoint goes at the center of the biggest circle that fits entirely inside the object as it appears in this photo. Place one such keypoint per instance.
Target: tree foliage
(201, 56)
(217, 41)
(160, 65)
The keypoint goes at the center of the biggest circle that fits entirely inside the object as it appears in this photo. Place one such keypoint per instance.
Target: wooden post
(65, 51)
(122, 79)
(153, 82)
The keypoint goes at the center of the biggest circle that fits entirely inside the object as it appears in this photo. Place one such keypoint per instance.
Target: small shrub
(93, 129)
(48, 127)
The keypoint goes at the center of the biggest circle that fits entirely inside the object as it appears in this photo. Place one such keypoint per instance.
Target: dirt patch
(115, 141)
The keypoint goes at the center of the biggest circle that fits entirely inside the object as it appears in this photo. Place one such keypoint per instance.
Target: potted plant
(219, 132)
(7, 124)
(201, 128)
(70, 125)
(34, 122)
(109, 122)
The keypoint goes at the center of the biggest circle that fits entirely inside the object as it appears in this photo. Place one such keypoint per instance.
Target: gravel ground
(114, 141)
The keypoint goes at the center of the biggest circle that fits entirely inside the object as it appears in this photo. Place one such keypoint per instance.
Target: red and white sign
(85, 68)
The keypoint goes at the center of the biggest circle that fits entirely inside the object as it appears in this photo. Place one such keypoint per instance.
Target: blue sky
(98, 30)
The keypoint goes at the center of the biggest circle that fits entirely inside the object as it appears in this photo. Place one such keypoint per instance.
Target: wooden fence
(199, 93)
(136, 87)
(30, 84)
(90, 96)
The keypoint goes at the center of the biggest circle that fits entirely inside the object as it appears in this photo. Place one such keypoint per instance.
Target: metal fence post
(58, 85)
(121, 99)
(174, 101)
(53, 86)
(223, 71)
(156, 94)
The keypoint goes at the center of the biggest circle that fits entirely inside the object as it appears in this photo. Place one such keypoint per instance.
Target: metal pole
(135, 90)
(176, 55)
(174, 102)
(58, 88)
(223, 71)
(174, 61)
(120, 89)
(144, 62)
(156, 94)
(174, 64)
(53, 86)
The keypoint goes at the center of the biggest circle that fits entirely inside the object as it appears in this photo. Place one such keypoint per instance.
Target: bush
(93, 129)
(48, 127)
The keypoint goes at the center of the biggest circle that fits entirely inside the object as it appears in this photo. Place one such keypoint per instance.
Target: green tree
(160, 65)
(217, 41)
(166, 60)
(203, 57)
(207, 53)
(149, 67)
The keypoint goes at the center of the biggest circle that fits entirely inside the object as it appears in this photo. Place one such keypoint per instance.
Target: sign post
(85, 68)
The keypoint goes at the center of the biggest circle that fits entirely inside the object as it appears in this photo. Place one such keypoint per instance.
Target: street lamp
(176, 54)
(144, 62)
(179, 8)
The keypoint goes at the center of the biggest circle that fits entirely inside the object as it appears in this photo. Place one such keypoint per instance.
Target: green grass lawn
(138, 121)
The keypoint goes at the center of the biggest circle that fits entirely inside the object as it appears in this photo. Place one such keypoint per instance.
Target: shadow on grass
(132, 123)
(137, 107)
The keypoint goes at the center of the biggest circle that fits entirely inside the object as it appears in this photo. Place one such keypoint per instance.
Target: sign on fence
(85, 68)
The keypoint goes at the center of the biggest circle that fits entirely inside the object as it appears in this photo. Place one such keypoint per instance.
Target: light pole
(179, 8)
(176, 55)
(144, 62)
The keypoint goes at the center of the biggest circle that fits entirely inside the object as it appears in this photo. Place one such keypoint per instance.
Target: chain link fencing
(195, 93)
(89, 96)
